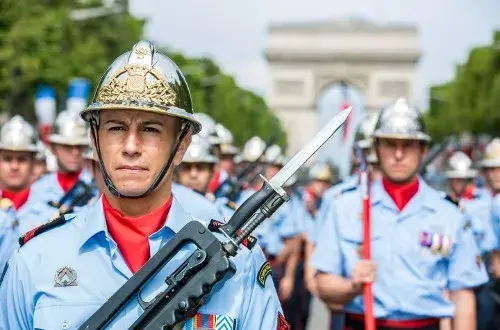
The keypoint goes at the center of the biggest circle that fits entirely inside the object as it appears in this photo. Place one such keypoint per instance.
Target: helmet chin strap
(107, 180)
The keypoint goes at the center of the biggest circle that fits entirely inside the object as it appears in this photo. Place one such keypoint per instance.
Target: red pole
(367, 288)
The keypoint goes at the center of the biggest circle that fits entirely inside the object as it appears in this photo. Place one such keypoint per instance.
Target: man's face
(227, 164)
(458, 185)
(319, 187)
(136, 145)
(493, 178)
(69, 158)
(400, 159)
(195, 175)
(15, 169)
(39, 169)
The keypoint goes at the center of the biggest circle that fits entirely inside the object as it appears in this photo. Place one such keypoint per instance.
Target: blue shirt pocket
(64, 316)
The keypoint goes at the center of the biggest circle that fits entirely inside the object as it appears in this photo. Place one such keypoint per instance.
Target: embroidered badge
(264, 271)
(282, 323)
(210, 322)
(65, 276)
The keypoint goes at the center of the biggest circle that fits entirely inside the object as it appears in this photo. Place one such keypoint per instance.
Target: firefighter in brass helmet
(142, 122)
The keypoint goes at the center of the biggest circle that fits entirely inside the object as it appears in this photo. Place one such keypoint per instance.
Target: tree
(471, 101)
(41, 43)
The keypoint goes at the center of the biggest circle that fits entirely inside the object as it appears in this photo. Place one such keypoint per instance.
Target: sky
(234, 32)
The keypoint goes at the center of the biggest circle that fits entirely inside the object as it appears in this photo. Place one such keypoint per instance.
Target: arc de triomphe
(305, 59)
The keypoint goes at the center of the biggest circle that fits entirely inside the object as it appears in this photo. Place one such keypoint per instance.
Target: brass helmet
(460, 167)
(491, 155)
(144, 79)
(401, 121)
(199, 152)
(70, 129)
(321, 172)
(18, 135)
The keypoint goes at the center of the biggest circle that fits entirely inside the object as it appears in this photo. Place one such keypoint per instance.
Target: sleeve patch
(282, 323)
(264, 271)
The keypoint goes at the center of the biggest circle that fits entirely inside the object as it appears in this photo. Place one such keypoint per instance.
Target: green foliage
(40, 43)
(471, 102)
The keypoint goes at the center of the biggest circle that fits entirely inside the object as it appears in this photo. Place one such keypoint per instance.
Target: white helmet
(18, 135)
(460, 167)
(274, 155)
(224, 136)
(492, 154)
(253, 149)
(207, 126)
(70, 129)
(199, 152)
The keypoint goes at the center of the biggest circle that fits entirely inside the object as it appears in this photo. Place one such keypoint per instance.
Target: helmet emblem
(137, 83)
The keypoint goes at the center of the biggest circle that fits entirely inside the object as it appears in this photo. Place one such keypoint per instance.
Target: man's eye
(116, 128)
(151, 130)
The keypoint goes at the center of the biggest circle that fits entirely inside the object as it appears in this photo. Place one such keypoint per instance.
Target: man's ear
(182, 148)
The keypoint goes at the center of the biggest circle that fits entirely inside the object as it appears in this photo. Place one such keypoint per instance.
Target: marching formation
(382, 248)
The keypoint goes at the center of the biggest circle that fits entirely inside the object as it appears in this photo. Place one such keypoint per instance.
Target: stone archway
(304, 59)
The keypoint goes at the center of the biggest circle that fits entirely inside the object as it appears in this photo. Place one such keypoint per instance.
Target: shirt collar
(95, 223)
(425, 197)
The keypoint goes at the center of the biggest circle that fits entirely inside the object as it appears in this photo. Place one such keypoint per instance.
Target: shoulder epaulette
(346, 190)
(56, 222)
(248, 242)
(452, 200)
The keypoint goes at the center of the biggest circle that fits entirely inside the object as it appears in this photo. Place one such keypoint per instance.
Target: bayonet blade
(306, 152)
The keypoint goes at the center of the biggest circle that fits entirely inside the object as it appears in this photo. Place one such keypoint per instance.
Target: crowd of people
(137, 164)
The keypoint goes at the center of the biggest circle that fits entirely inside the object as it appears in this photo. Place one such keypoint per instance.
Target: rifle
(210, 263)
(232, 186)
(433, 153)
(79, 195)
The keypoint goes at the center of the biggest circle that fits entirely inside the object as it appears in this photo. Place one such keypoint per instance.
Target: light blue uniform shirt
(479, 213)
(329, 195)
(411, 279)
(283, 224)
(15, 223)
(29, 298)
(46, 189)
(495, 218)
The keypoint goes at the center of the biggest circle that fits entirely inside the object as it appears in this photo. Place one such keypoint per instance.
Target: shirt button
(64, 325)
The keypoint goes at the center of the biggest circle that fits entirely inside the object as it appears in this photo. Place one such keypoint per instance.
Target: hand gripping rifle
(79, 195)
(232, 186)
(190, 284)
